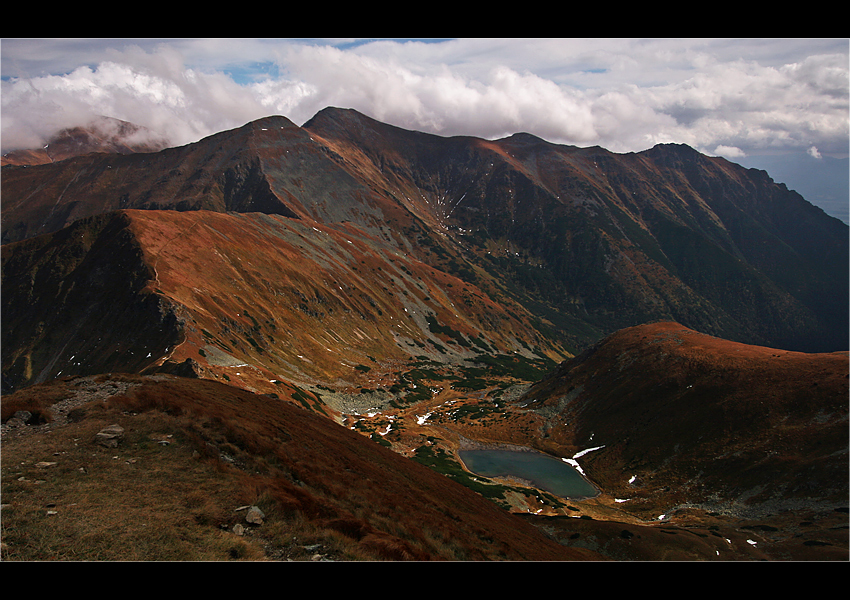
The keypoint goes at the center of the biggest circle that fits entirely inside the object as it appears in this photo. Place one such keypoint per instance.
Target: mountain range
(553, 295)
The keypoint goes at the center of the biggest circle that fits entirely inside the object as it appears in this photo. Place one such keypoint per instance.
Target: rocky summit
(673, 324)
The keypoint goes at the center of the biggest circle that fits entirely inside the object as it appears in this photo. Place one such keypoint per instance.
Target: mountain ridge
(663, 316)
(598, 241)
(651, 227)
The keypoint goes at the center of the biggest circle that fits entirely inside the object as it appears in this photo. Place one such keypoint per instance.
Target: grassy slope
(324, 490)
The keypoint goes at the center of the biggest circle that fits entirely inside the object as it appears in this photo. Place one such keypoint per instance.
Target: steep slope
(598, 241)
(587, 240)
(75, 302)
(246, 298)
(682, 418)
(269, 166)
(219, 173)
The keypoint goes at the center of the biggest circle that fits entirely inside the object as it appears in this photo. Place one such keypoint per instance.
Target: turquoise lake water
(544, 472)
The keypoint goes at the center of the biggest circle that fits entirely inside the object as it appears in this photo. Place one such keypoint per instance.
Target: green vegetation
(310, 400)
(470, 385)
(415, 382)
(442, 462)
(515, 365)
(486, 371)
(475, 411)
(435, 327)
(377, 437)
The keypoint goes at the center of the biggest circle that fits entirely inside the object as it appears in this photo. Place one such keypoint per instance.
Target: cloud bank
(726, 97)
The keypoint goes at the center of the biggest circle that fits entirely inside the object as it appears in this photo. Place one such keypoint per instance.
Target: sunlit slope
(251, 299)
(305, 300)
(587, 240)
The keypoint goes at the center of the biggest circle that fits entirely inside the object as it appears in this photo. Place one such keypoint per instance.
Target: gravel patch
(87, 390)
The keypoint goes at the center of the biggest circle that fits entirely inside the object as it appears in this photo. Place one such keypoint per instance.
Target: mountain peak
(333, 116)
(524, 138)
(349, 123)
(102, 134)
(272, 121)
(672, 151)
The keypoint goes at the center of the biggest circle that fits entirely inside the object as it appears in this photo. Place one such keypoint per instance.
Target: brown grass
(325, 490)
(38, 404)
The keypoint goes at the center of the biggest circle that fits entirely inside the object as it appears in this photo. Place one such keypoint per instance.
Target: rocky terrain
(676, 321)
(697, 421)
(586, 240)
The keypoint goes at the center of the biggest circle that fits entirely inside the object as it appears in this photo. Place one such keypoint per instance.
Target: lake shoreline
(539, 482)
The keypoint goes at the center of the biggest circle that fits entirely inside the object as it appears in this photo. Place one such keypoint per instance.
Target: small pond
(544, 472)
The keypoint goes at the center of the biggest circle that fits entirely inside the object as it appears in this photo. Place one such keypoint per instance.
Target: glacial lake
(544, 472)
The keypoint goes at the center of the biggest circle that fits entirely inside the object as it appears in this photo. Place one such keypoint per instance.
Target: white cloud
(154, 90)
(734, 96)
(729, 152)
(813, 152)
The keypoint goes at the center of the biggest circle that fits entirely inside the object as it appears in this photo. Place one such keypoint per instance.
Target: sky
(723, 97)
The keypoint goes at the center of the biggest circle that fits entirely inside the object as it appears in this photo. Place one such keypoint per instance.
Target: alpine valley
(317, 321)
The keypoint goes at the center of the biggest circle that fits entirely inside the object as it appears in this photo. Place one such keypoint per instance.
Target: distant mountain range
(103, 134)
(585, 240)
(552, 296)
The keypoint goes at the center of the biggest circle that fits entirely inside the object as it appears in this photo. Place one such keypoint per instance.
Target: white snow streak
(572, 461)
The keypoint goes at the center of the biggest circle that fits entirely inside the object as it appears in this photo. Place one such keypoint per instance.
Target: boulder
(110, 436)
(254, 516)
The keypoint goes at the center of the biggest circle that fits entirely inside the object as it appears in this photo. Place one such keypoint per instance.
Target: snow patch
(583, 452)
(574, 463)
